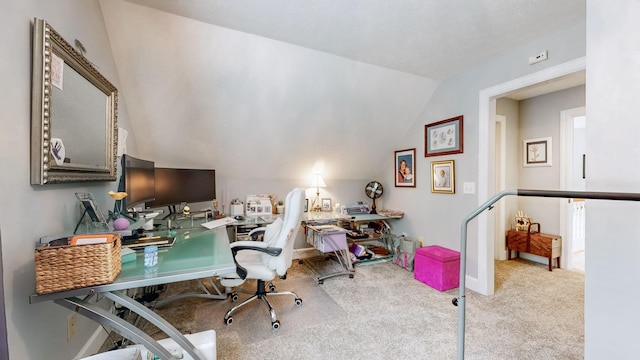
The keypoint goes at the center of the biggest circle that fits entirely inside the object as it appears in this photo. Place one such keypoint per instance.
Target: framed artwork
(306, 205)
(443, 177)
(326, 204)
(537, 152)
(405, 165)
(444, 137)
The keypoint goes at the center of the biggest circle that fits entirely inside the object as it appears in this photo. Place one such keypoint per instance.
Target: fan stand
(373, 206)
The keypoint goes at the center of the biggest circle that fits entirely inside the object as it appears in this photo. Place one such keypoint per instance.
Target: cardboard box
(437, 267)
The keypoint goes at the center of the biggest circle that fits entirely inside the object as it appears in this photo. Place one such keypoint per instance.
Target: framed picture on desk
(326, 204)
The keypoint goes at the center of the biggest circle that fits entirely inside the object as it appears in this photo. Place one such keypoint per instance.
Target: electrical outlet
(71, 326)
(538, 57)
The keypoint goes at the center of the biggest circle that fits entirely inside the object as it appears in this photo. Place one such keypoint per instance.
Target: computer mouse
(239, 217)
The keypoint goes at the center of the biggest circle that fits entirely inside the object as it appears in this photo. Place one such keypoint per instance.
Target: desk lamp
(317, 182)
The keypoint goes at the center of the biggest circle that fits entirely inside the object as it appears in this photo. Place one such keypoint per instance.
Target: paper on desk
(219, 222)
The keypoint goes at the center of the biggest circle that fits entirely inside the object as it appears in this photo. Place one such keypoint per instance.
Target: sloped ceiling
(268, 88)
(431, 38)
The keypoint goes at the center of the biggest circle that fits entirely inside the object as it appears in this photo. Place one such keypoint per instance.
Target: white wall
(30, 212)
(612, 232)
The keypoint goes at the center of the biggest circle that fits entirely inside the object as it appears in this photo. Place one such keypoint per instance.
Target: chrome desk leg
(119, 325)
(122, 299)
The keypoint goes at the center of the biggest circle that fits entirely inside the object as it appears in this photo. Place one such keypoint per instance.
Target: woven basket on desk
(61, 268)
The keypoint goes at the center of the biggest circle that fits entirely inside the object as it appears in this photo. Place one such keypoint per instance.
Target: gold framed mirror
(74, 127)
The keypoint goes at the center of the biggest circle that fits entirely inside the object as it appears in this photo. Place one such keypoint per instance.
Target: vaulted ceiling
(233, 80)
(431, 38)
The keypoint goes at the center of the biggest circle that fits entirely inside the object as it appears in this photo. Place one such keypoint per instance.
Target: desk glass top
(194, 250)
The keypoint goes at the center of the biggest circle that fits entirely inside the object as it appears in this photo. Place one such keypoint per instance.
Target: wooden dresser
(536, 243)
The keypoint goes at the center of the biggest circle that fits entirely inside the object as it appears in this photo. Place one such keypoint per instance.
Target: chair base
(262, 294)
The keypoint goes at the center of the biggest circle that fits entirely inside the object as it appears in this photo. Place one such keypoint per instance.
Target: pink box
(437, 267)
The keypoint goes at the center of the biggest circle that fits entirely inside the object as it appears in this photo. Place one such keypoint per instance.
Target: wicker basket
(61, 268)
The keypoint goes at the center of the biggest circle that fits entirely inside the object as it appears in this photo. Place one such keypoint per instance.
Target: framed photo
(444, 137)
(306, 205)
(443, 177)
(91, 210)
(405, 165)
(326, 204)
(537, 152)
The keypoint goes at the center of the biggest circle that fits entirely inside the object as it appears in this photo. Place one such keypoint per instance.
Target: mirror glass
(74, 114)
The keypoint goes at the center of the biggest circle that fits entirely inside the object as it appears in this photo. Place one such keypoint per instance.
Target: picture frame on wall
(405, 168)
(537, 152)
(326, 204)
(444, 137)
(443, 179)
(306, 205)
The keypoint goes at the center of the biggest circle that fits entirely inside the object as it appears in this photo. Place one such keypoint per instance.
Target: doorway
(573, 124)
(485, 282)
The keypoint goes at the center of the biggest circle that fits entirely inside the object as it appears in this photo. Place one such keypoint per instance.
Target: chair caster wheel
(298, 301)
(275, 325)
(233, 297)
(228, 320)
(350, 276)
(320, 282)
(272, 287)
(454, 301)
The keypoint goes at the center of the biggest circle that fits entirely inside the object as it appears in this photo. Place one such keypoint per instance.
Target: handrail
(460, 301)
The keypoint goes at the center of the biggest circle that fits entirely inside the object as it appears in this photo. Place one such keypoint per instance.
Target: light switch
(469, 188)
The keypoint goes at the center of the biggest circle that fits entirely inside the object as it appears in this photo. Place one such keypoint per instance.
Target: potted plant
(280, 207)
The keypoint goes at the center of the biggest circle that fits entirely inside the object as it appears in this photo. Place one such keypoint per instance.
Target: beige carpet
(383, 313)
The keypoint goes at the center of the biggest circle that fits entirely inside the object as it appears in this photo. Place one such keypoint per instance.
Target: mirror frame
(44, 169)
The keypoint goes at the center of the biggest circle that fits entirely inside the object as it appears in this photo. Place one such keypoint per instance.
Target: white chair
(263, 260)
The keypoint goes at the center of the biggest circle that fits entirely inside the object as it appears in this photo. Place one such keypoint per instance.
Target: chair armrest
(251, 245)
(255, 246)
(255, 233)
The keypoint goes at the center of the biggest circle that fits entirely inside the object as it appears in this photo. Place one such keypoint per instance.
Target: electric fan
(373, 191)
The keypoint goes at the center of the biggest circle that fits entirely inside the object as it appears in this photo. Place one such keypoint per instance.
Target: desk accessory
(92, 210)
(90, 264)
(219, 222)
(151, 256)
(127, 255)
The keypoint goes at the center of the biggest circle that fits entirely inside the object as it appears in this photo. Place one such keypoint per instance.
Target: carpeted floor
(383, 313)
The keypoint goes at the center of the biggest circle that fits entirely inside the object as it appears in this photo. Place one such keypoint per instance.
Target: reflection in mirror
(74, 114)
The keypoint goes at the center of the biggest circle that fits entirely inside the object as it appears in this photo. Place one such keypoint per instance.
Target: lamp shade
(317, 182)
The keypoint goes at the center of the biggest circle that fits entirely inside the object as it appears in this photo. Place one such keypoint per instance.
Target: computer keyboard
(219, 222)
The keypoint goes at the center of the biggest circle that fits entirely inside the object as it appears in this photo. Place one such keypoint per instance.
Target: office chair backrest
(294, 203)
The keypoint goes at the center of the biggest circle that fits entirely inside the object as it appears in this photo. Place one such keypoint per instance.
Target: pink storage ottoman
(437, 267)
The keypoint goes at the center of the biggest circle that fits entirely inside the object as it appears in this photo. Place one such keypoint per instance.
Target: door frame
(485, 282)
(566, 166)
(501, 159)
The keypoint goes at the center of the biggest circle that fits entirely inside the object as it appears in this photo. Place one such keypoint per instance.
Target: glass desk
(197, 253)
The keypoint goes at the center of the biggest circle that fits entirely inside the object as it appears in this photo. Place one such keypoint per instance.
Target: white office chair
(263, 260)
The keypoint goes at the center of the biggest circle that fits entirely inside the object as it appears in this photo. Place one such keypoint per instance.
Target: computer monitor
(137, 180)
(174, 186)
